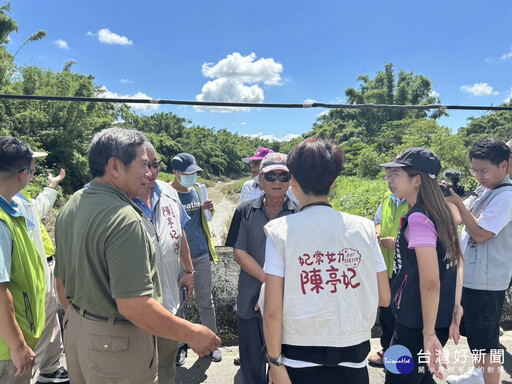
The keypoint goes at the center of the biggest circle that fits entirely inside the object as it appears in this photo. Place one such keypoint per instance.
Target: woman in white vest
(325, 277)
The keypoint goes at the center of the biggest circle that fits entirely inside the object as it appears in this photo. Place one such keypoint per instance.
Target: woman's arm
(272, 325)
(429, 290)
(457, 309)
(384, 291)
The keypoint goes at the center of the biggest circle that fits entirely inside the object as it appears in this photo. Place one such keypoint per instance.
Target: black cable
(254, 105)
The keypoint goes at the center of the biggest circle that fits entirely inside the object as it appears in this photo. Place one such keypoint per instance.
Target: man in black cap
(202, 248)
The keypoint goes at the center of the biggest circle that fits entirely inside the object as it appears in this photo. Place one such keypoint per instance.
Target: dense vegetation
(369, 137)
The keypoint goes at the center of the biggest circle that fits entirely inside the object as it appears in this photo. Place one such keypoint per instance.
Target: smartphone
(185, 292)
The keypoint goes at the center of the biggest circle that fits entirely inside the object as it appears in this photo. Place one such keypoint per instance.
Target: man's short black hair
(315, 163)
(496, 151)
(15, 155)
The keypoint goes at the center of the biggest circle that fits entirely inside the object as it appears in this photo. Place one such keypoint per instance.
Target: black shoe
(236, 361)
(59, 376)
(181, 357)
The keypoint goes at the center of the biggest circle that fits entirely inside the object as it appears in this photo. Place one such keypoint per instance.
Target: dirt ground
(224, 209)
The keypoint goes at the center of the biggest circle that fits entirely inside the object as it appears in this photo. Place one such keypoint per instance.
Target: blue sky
(272, 51)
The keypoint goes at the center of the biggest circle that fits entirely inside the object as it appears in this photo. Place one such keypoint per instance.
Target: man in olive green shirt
(106, 275)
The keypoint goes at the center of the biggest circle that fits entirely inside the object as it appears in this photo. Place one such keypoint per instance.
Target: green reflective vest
(206, 230)
(27, 283)
(390, 226)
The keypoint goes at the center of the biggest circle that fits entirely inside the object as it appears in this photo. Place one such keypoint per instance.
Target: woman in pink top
(428, 271)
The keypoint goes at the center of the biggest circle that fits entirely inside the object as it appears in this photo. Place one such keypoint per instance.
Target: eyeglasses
(30, 171)
(271, 177)
(155, 165)
(483, 172)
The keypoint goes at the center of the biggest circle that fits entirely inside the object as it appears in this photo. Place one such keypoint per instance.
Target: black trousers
(387, 324)
(324, 374)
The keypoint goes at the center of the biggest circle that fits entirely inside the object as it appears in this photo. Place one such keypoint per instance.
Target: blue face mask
(187, 181)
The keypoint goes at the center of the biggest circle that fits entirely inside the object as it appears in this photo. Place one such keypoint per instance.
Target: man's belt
(91, 316)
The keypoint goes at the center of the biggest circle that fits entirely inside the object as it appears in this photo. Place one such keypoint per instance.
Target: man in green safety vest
(387, 225)
(22, 273)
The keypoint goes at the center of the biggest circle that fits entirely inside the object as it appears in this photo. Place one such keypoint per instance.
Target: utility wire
(255, 105)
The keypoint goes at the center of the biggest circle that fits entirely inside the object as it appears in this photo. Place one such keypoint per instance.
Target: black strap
(504, 185)
(317, 203)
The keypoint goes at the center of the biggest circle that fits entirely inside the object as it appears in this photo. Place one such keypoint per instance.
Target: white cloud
(272, 137)
(479, 89)
(323, 113)
(105, 93)
(245, 69)
(433, 94)
(226, 90)
(508, 55)
(62, 44)
(106, 36)
(237, 78)
(509, 98)
(126, 81)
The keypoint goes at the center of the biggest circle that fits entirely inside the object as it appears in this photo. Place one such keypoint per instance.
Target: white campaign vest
(330, 284)
(167, 244)
(487, 264)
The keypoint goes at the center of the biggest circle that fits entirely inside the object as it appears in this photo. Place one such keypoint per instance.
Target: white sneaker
(471, 376)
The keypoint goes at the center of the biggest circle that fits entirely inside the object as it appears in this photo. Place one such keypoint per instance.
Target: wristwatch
(277, 362)
(190, 272)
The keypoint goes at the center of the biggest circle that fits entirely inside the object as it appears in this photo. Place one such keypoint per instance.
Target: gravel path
(224, 208)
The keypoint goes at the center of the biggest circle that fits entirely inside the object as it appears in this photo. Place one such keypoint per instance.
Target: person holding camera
(486, 241)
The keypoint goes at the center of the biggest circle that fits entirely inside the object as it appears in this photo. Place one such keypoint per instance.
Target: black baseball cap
(421, 159)
(185, 163)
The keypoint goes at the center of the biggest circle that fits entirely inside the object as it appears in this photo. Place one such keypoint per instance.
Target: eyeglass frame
(275, 176)
(31, 171)
(157, 166)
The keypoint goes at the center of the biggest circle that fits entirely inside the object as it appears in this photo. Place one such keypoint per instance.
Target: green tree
(387, 87)
(496, 124)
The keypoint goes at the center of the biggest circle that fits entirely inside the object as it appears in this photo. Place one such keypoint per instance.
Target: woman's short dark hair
(315, 163)
(15, 155)
(496, 151)
(119, 143)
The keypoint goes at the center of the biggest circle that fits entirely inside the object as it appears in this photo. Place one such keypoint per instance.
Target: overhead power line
(254, 105)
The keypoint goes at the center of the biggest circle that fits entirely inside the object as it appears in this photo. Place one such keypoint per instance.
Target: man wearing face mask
(200, 241)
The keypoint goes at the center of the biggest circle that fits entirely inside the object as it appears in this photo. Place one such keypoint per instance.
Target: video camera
(454, 177)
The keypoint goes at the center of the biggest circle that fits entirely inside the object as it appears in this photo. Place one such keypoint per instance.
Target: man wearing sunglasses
(164, 219)
(249, 251)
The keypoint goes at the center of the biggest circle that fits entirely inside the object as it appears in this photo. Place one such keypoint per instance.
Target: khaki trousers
(104, 352)
(49, 348)
(167, 351)
(7, 371)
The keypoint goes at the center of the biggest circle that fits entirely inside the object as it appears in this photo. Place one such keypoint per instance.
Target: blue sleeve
(184, 217)
(5, 253)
